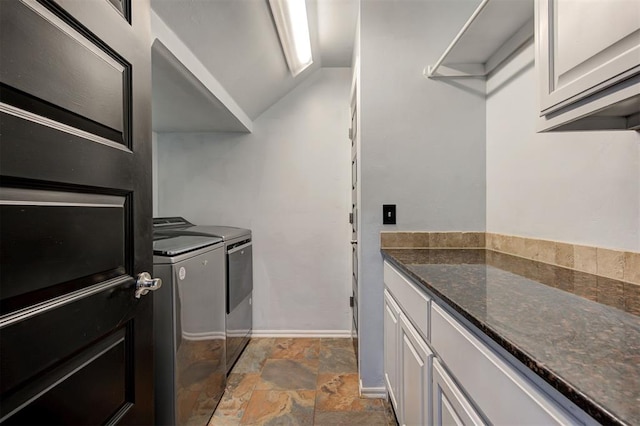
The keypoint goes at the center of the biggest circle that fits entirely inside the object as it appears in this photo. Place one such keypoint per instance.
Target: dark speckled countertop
(541, 314)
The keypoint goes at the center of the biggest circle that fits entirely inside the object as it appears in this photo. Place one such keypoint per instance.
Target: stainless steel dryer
(239, 277)
(189, 328)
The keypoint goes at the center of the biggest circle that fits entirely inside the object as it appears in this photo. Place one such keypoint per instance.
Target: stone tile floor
(298, 382)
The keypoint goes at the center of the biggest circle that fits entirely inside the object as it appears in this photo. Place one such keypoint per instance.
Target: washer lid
(166, 245)
(224, 232)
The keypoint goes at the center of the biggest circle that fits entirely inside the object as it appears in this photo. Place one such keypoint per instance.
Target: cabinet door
(450, 406)
(415, 376)
(585, 47)
(391, 332)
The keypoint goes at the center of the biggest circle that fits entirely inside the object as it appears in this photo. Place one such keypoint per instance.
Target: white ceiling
(237, 42)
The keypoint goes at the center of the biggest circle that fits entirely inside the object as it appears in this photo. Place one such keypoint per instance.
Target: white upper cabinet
(588, 59)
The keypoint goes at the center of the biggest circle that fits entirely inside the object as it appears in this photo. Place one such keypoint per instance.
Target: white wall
(577, 187)
(289, 181)
(422, 143)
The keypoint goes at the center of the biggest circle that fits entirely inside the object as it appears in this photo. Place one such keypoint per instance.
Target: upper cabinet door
(588, 62)
(585, 46)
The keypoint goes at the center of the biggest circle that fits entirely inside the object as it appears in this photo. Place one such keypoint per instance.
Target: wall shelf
(185, 96)
(495, 30)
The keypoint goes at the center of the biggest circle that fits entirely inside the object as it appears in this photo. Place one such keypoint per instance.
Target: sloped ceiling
(236, 40)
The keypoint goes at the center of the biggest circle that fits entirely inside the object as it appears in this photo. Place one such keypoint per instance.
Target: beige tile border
(615, 264)
(391, 240)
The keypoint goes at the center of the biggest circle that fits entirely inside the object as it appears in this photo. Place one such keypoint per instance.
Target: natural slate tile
(246, 403)
(299, 348)
(328, 343)
(288, 374)
(223, 421)
(236, 398)
(338, 360)
(339, 392)
(254, 355)
(610, 263)
(345, 418)
(280, 408)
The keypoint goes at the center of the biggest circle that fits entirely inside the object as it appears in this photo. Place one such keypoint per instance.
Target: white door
(391, 331)
(450, 406)
(415, 376)
(353, 216)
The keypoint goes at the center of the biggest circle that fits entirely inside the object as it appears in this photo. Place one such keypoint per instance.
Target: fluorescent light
(291, 21)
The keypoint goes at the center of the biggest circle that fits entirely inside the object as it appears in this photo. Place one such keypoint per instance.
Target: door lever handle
(145, 284)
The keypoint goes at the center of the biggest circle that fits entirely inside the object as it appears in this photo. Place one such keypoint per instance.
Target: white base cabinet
(450, 406)
(391, 339)
(439, 370)
(415, 365)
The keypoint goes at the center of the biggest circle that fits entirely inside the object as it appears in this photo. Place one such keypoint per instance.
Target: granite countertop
(542, 315)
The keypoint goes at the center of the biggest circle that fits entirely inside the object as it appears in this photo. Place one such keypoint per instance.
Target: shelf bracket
(432, 70)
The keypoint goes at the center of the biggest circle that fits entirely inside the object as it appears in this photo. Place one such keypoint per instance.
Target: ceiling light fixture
(290, 17)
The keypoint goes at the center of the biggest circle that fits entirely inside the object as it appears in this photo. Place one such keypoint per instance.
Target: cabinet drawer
(414, 303)
(502, 393)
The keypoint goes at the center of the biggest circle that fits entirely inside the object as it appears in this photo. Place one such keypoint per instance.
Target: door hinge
(350, 134)
(351, 301)
(351, 218)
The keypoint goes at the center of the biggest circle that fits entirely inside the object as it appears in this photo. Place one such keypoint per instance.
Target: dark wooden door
(75, 212)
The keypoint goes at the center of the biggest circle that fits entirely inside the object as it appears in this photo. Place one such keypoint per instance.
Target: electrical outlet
(388, 214)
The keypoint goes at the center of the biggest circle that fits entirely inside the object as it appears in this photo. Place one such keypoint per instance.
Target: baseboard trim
(371, 392)
(301, 333)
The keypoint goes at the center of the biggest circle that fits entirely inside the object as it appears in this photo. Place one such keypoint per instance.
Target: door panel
(354, 210)
(43, 256)
(581, 52)
(391, 343)
(87, 84)
(75, 212)
(69, 387)
(415, 376)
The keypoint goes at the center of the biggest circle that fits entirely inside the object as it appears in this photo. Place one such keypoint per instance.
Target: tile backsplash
(615, 264)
